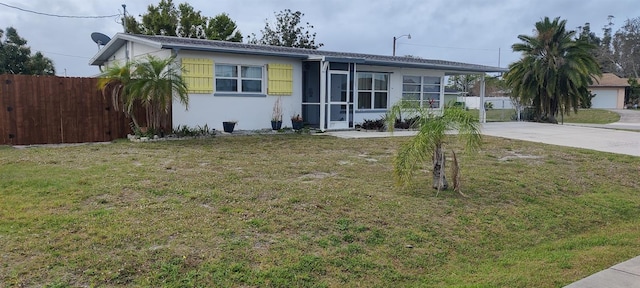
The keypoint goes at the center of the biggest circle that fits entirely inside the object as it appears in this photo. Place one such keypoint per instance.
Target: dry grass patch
(299, 210)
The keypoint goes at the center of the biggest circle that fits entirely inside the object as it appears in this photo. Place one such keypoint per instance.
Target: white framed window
(373, 90)
(422, 89)
(239, 78)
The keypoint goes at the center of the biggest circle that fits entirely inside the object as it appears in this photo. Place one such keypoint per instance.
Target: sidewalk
(623, 275)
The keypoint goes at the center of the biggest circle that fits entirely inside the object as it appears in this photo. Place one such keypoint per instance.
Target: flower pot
(228, 126)
(276, 125)
(297, 125)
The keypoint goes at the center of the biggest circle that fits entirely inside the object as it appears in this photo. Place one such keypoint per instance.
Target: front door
(339, 100)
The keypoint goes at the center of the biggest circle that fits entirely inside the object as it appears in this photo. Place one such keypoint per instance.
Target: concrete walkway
(623, 275)
(605, 140)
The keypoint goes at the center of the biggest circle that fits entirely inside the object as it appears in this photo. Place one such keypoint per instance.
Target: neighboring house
(609, 90)
(330, 90)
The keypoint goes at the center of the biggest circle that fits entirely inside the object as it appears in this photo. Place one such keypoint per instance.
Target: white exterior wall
(252, 113)
(136, 51)
(395, 88)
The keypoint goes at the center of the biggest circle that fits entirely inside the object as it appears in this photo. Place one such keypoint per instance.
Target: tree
(463, 83)
(16, 58)
(183, 21)
(554, 71)
(626, 48)
(430, 141)
(634, 91)
(287, 32)
(222, 28)
(153, 83)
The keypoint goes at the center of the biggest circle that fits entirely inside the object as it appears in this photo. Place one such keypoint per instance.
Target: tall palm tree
(554, 71)
(431, 139)
(152, 82)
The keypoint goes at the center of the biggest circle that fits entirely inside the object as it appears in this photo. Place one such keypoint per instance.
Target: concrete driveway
(587, 137)
(599, 139)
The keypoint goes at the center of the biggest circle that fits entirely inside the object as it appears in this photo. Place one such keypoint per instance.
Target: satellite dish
(100, 39)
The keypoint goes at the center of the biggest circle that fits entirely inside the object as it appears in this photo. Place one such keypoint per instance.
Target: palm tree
(153, 83)
(156, 82)
(115, 81)
(554, 71)
(430, 141)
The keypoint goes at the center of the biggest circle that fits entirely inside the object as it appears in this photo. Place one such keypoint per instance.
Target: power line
(56, 15)
(448, 47)
(66, 55)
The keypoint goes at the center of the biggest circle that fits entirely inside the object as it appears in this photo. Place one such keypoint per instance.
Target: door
(605, 99)
(339, 100)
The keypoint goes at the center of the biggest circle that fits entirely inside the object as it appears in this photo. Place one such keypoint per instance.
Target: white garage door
(605, 99)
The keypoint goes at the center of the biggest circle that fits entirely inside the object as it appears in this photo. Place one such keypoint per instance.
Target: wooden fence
(53, 110)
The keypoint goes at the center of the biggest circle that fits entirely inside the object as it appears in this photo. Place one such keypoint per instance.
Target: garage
(609, 90)
(605, 99)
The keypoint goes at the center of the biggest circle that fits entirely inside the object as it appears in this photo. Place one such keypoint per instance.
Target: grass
(592, 116)
(309, 211)
(586, 116)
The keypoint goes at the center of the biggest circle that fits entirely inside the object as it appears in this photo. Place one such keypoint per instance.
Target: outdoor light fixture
(396, 38)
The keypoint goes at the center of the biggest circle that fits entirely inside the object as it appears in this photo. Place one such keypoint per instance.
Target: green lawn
(300, 210)
(591, 116)
(587, 116)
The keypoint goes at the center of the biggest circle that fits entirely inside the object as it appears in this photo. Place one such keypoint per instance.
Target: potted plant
(296, 122)
(228, 126)
(276, 116)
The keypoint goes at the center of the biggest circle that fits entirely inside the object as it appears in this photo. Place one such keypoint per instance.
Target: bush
(373, 124)
(407, 123)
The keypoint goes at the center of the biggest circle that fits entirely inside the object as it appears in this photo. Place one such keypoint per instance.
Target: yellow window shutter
(198, 74)
(280, 79)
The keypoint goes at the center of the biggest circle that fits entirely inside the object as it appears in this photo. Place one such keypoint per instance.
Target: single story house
(609, 91)
(231, 81)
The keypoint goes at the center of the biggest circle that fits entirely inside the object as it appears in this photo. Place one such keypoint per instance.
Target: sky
(469, 31)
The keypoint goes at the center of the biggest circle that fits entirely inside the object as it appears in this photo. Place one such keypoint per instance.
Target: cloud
(476, 31)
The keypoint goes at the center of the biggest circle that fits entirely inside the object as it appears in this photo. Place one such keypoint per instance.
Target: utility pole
(124, 19)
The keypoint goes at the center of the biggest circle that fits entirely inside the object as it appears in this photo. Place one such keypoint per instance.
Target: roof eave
(115, 44)
(450, 68)
(235, 51)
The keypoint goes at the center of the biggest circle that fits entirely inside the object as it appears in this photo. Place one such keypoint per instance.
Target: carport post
(483, 113)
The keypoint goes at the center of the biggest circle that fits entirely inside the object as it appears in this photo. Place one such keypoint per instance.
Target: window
(238, 78)
(422, 89)
(373, 90)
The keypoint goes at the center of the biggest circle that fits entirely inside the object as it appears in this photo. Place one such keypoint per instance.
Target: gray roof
(179, 43)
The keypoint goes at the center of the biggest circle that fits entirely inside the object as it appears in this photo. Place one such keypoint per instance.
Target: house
(330, 90)
(609, 91)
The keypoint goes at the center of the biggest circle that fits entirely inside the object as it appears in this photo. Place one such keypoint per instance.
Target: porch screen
(280, 79)
(198, 74)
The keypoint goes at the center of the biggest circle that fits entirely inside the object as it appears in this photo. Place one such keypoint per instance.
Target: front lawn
(314, 211)
(591, 116)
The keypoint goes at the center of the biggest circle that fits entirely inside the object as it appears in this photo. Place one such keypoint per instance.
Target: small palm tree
(554, 71)
(156, 83)
(152, 82)
(432, 128)
(115, 82)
